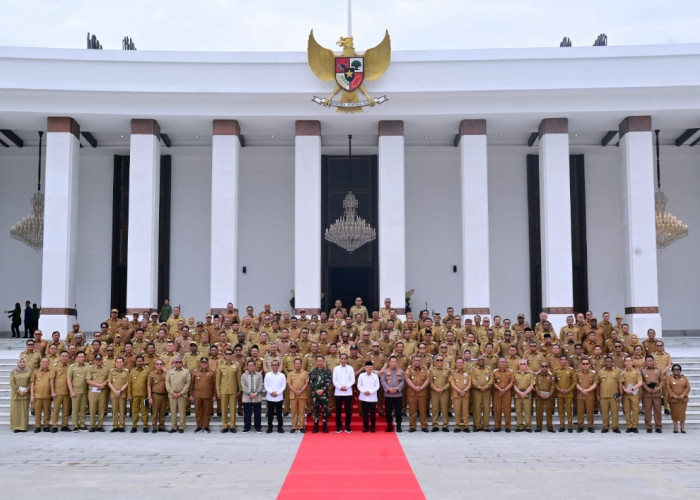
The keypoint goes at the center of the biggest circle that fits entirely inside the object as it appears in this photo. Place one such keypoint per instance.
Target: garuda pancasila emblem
(349, 70)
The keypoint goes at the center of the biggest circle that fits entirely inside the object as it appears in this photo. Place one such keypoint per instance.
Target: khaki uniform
(62, 400)
(137, 393)
(565, 380)
(440, 395)
(523, 406)
(98, 398)
(156, 385)
(298, 380)
(678, 385)
(608, 385)
(545, 393)
(482, 381)
(41, 389)
(417, 401)
(228, 385)
(33, 359)
(203, 390)
(78, 374)
(502, 400)
(585, 403)
(177, 381)
(630, 402)
(651, 401)
(117, 380)
(461, 380)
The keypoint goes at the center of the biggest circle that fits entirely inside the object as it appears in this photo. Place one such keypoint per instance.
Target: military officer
(320, 383)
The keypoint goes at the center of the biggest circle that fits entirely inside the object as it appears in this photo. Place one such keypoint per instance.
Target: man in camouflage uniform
(320, 380)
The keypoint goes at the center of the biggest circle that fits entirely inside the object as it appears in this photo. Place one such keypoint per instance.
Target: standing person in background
(36, 312)
(165, 311)
(16, 316)
(20, 380)
(27, 320)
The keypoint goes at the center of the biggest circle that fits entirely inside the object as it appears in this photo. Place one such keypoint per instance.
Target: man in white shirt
(275, 383)
(368, 385)
(343, 380)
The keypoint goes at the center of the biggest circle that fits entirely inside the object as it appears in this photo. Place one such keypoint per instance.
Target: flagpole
(349, 18)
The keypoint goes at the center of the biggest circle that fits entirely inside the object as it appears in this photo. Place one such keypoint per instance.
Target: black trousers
(339, 402)
(393, 408)
(274, 407)
(248, 410)
(369, 414)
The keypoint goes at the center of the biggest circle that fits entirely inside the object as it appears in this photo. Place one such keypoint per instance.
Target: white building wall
(509, 236)
(433, 228)
(266, 227)
(190, 229)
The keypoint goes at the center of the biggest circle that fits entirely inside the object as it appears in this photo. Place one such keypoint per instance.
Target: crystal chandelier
(30, 229)
(669, 228)
(350, 231)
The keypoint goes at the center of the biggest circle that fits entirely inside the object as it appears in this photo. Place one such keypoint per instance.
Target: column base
(62, 323)
(641, 322)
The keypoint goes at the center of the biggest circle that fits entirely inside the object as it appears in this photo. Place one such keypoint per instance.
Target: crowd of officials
(426, 367)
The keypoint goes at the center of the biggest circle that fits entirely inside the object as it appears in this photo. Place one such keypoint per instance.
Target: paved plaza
(254, 466)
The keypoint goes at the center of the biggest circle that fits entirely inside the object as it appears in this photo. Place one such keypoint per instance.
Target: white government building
(498, 181)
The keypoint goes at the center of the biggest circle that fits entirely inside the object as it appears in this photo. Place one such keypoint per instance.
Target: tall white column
(144, 197)
(638, 223)
(555, 220)
(391, 212)
(307, 216)
(476, 287)
(58, 307)
(226, 146)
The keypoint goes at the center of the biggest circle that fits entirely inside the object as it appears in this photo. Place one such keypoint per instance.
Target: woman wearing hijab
(678, 388)
(19, 396)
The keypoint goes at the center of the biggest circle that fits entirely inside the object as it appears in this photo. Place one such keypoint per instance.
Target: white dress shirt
(368, 383)
(343, 376)
(275, 382)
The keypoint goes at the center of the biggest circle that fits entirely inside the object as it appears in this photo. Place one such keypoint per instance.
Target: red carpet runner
(352, 466)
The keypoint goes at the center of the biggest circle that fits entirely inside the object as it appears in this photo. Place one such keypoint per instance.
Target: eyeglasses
(439, 359)
(585, 363)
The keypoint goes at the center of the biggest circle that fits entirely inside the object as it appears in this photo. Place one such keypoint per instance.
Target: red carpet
(352, 466)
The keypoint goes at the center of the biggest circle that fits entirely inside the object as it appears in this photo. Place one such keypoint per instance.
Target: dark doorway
(348, 275)
(120, 231)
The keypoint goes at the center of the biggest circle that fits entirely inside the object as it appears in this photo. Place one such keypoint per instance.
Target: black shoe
(659, 431)
(206, 429)
(457, 429)
(466, 429)
(145, 429)
(497, 430)
(114, 430)
(508, 430)
(100, 429)
(160, 429)
(325, 428)
(47, 429)
(154, 431)
(293, 431)
(280, 430)
(233, 430)
(635, 430)
(121, 429)
(365, 429)
(348, 431)
(398, 428)
(628, 430)
(372, 430)
(435, 429)
(224, 430)
(411, 430)
(616, 431)
(549, 429)
(486, 430)
(667, 412)
(303, 430)
(172, 431)
(197, 430)
(337, 431)
(269, 430)
(388, 429)
(65, 428)
(561, 429)
(133, 430)
(424, 429)
(286, 413)
(38, 429)
(516, 430)
(315, 430)
(605, 431)
(54, 430)
(539, 429)
(579, 430)
(649, 431)
(571, 431)
(181, 431)
(445, 429)
(591, 430)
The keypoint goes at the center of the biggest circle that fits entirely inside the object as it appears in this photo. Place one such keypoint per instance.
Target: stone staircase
(684, 350)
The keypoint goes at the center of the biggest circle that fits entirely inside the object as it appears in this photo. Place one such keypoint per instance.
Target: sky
(284, 25)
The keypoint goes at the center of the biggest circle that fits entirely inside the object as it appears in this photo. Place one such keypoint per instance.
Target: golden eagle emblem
(349, 70)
